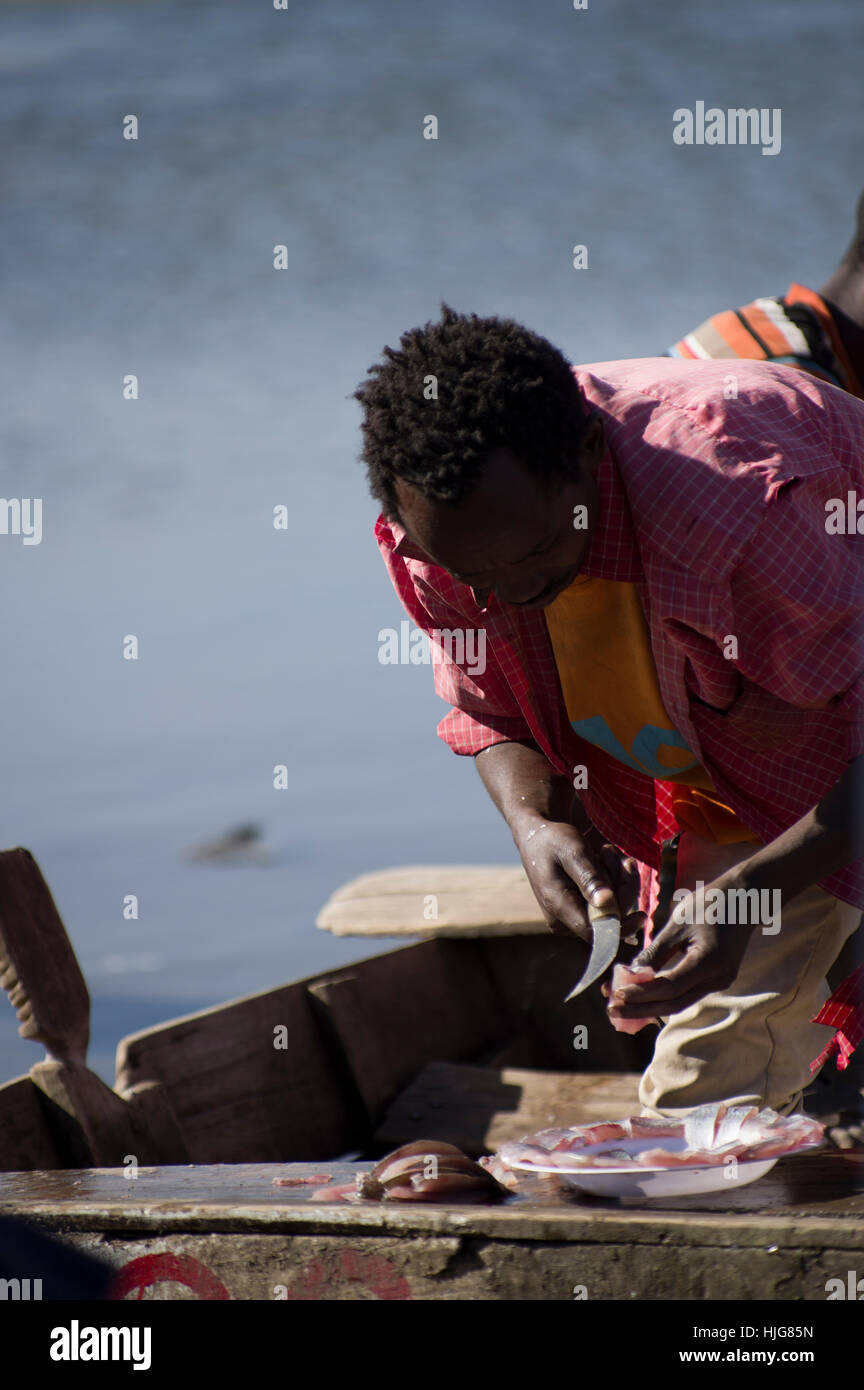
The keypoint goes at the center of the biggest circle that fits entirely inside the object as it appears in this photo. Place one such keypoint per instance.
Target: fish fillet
(622, 975)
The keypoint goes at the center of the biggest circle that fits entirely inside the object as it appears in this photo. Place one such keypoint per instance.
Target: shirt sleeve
(484, 710)
(796, 607)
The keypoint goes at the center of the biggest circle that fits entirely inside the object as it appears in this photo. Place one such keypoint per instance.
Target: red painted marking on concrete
(375, 1273)
(310, 1286)
(147, 1270)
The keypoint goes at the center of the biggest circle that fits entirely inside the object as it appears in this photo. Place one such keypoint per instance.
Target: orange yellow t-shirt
(603, 654)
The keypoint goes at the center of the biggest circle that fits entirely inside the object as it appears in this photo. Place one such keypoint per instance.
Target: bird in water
(237, 846)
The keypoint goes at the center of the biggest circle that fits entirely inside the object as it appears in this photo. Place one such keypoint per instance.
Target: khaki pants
(753, 1043)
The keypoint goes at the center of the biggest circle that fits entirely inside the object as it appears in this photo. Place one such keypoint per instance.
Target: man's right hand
(567, 867)
(566, 874)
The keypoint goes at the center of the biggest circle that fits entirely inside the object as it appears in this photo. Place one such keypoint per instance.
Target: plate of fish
(709, 1149)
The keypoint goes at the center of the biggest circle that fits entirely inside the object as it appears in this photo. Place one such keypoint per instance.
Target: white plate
(651, 1182)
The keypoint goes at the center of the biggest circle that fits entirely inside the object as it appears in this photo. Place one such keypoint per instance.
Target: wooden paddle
(38, 968)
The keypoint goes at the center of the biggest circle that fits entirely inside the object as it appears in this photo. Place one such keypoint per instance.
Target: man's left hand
(711, 957)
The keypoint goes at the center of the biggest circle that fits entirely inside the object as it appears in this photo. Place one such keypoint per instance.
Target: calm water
(259, 647)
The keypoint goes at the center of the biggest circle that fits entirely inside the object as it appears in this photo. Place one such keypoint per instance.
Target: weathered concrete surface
(340, 1268)
(228, 1232)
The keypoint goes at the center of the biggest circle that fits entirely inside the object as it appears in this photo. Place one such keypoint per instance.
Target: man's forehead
(505, 494)
(483, 546)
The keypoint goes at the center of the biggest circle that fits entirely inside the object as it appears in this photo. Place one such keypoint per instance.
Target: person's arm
(483, 708)
(524, 787)
(565, 859)
(565, 862)
(798, 615)
(819, 844)
(824, 840)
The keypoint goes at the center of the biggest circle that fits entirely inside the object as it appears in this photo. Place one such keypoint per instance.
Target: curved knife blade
(604, 949)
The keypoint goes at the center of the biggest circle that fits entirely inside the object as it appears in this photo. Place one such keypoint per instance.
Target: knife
(604, 948)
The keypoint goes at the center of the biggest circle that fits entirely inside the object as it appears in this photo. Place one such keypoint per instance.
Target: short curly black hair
(498, 385)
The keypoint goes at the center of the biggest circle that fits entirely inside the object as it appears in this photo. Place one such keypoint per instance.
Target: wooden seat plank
(480, 1108)
(431, 900)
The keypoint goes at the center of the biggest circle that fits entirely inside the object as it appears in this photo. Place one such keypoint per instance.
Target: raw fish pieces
(622, 975)
(689, 1158)
(712, 1126)
(651, 1127)
(712, 1133)
(428, 1170)
(595, 1134)
(499, 1171)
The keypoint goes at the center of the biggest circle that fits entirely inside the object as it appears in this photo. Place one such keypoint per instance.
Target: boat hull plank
(395, 1012)
(532, 975)
(253, 1080)
(27, 1140)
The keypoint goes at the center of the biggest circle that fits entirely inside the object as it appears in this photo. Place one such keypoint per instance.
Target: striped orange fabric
(797, 329)
(799, 294)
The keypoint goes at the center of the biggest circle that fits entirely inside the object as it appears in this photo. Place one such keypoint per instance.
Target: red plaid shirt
(715, 508)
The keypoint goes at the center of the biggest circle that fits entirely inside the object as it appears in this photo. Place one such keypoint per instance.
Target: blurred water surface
(257, 646)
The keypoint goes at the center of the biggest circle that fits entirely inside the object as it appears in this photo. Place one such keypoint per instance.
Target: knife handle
(598, 914)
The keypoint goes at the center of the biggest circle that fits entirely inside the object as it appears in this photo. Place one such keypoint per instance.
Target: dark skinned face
(511, 536)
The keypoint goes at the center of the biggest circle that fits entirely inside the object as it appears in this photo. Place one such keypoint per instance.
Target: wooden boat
(463, 1037)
